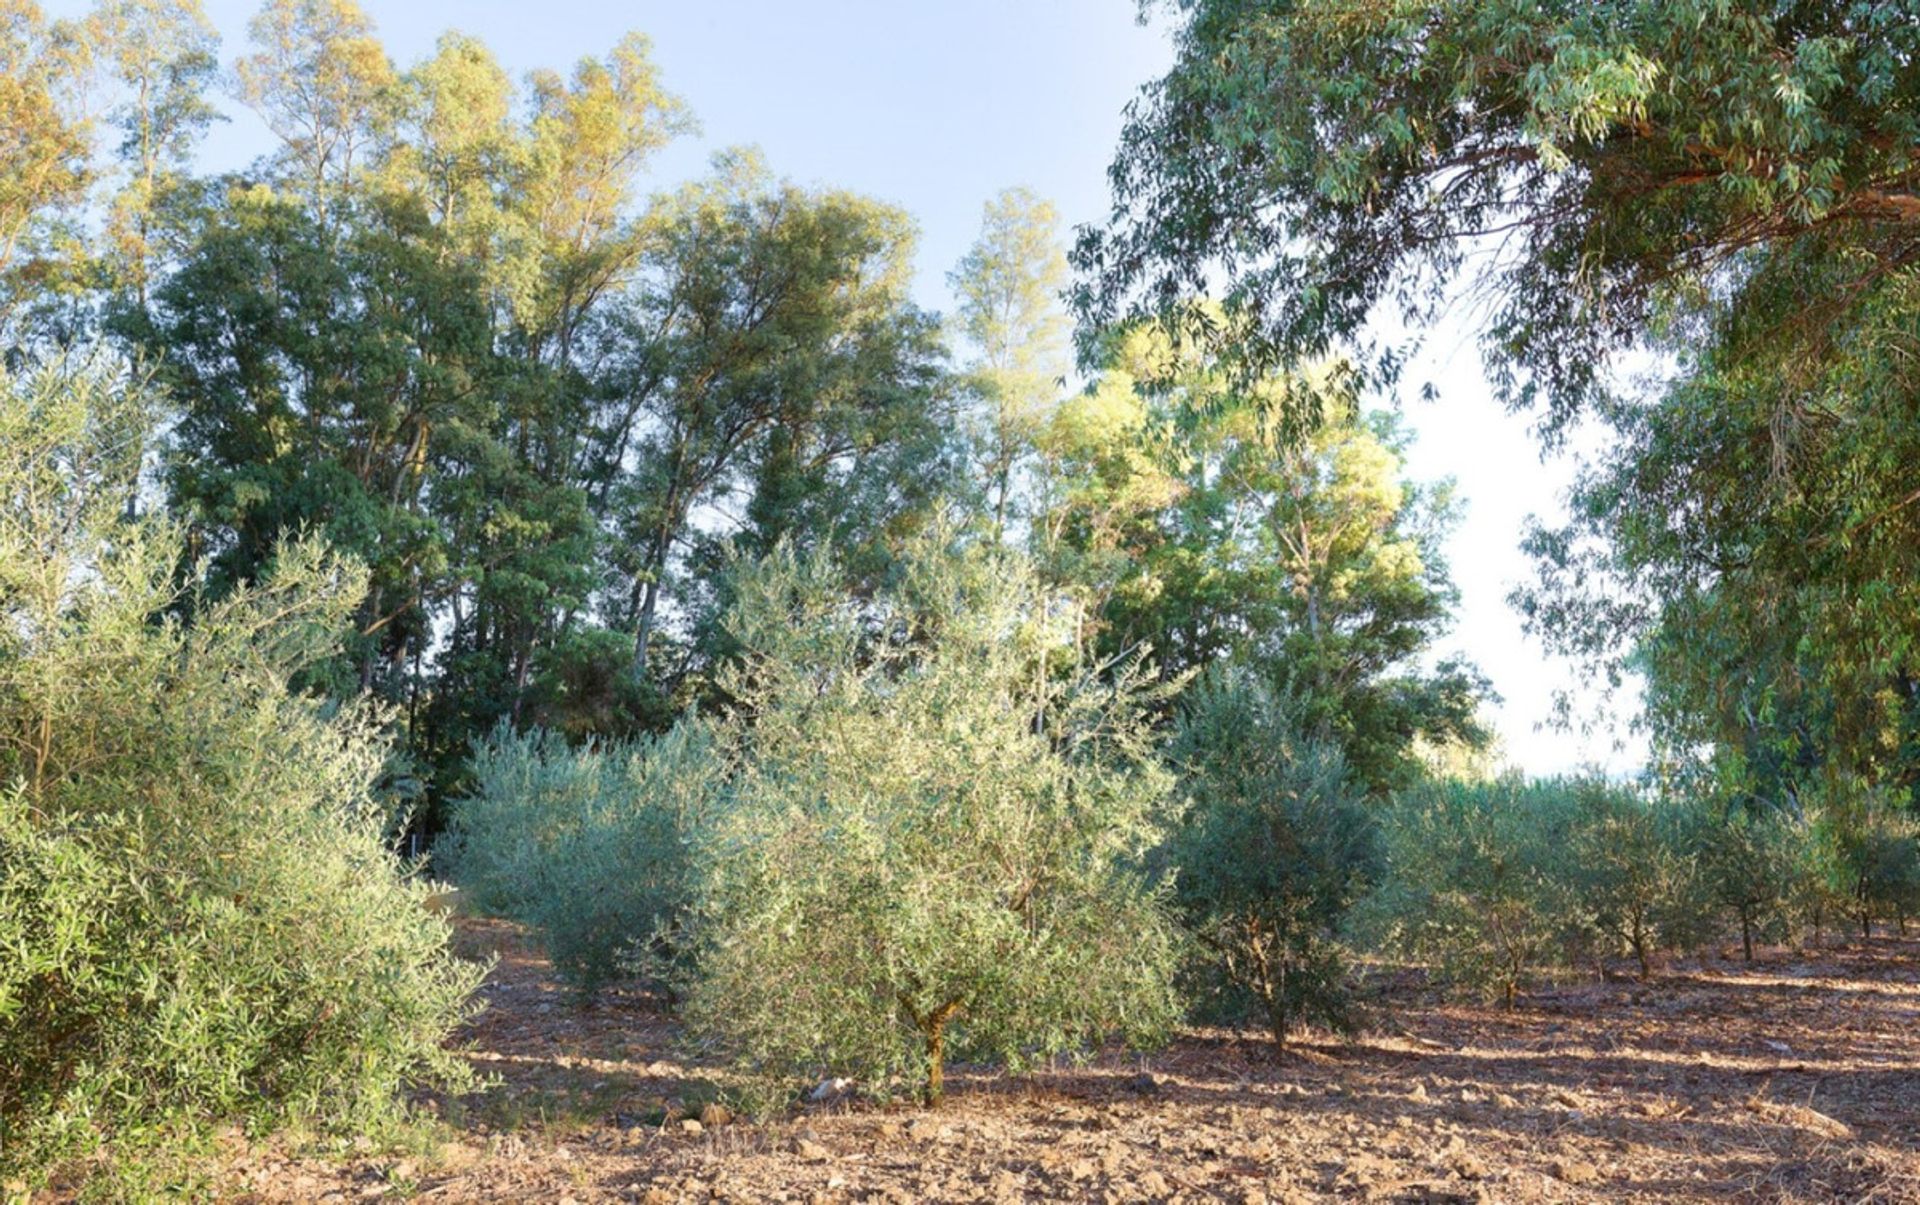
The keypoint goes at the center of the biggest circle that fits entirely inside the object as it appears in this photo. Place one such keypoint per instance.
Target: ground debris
(1686, 1098)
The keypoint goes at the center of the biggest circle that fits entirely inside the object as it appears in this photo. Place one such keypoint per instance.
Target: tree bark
(936, 1063)
(933, 1027)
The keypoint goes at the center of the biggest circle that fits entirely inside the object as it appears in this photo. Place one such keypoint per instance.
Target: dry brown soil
(1796, 1078)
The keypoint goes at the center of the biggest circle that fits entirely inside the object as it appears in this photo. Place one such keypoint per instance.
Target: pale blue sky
(935, 105)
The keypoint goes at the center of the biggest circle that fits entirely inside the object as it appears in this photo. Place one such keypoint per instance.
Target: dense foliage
(885, 697)
(933, 846)
(201, 913)
(1476, 881)
(1731, 186)
(1331, 157)
(588, 845)
(1276, 846)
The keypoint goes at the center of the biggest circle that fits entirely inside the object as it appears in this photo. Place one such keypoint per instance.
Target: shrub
(1476, 881)
(1633, 879)
(1753, 861)
(528, 789)
(931, 847)
(1876, 851)
(1823, 885)
(202, 920)
(1275, 847)
(587, 845)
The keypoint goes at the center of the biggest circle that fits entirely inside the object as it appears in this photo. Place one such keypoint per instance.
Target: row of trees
(441, 422)
(927, 826)
(447, 328)
(830, 659)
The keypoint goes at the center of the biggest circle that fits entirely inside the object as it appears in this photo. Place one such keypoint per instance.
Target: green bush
(1754, 862)
(1275, 847)
(932, 845)
(1631, 875)
(587, 845)
(201, 918)
(1876, 855)
(1476, 881)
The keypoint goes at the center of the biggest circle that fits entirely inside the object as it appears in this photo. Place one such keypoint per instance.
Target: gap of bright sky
(935, 105)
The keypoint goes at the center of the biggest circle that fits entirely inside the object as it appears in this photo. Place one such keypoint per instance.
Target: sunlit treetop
(1589, 162)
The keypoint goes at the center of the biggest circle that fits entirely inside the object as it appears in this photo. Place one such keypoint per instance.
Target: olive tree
(1476, 881)
(1876, 852)
(585, 844)
(1753, 860)
(1630, 873)
(201, 915)
(1275, 847)
(932, 844)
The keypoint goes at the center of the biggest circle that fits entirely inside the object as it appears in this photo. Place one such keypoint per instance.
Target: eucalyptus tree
(44, 156)
(1208, 532)
(1007, 291)
(1729, 185)
(162, 56)
(1325, 159)
(323, 83)
(771, 379)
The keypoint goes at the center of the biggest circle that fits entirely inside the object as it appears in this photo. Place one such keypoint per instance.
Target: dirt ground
(1794, 1079)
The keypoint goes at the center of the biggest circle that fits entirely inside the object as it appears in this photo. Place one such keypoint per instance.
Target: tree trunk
(643, 626)
(1277, 1026)
(933, 1027)
(936, 1063)
(1275, 997)
(1746, 935)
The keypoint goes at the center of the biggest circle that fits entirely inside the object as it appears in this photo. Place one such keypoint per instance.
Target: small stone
(925, 1129)
(830, 1089)
(1467, 1165)
(810, 1150)
(691, 1126)
(1574, 1171)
